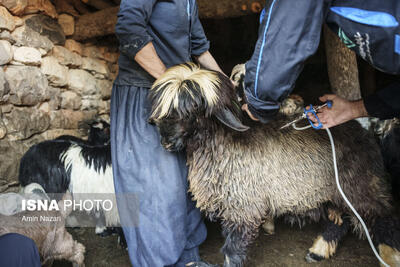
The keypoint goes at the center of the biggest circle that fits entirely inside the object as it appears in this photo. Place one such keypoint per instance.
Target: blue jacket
(172, 25)
(290, 32)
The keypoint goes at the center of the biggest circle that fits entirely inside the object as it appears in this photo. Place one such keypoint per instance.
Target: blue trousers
(170, 228)
(18, 251)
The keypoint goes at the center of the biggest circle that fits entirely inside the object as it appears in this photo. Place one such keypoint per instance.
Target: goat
(47, 230)
(99, 134)
(390, 146)
(11, 203)
(243, 174)
(81, 166)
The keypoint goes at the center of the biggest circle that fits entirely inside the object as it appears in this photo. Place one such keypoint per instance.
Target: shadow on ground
(286, 248)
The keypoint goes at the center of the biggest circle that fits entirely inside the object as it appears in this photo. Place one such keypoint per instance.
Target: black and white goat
(242, 175)
(81, 166)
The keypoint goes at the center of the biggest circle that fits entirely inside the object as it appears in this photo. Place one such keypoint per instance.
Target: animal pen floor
(286, 248)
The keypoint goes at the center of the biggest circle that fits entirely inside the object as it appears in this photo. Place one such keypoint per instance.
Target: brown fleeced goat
(47, 230)
(244, 175)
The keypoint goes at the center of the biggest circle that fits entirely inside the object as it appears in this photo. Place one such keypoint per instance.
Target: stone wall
(49, 83)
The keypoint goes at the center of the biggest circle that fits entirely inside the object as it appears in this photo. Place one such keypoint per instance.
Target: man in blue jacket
(290, 32)
(167, 228)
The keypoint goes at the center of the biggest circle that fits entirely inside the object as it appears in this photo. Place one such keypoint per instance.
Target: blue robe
(18, 251)
(168, 228)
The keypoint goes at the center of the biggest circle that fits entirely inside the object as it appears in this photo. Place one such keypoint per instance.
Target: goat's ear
(230, 120)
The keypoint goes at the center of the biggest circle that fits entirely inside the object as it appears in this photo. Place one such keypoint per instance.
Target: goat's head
(99, 133)
(186, 97)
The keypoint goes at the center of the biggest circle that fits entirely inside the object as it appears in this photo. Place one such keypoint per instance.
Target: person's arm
(148, 59)
(135, 42)
(384, 104)
(342, 110)
(207, 61)
(199, 45)
(288, 35)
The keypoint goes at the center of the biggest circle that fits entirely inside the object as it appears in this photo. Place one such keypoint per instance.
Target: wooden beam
(96, 24)
(102, 22)
(342, 67)
(98, 4)
(228, 8)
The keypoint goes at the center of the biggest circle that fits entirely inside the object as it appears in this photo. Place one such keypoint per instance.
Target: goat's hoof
(269, 227)
(103, 231)
(312, 257)
(201, 264)
(122, 243)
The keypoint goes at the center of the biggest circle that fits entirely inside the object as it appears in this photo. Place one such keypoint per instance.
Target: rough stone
(45, 6)
(69, 119)
(42, 51)
(27, 55)
(55, 98)
(114, 68)
(111, 57)
(95, 66)
(6, 20)
(105, 87)
(25, 36)
(6, 52)
(6, 108)
(70, 100)
(4, 87)
(16, 63)
(82, 82)
(67, 23)
(3, 130)
(89, 104)
(6, 35)
(53, 134)
(74, 46)
(48, 27)
(16, 7)
(18, 21)
(93, 52)
(66, 57)
(55, 73)
(28, 86)
(104, 107)
(22, 123)
(11, 153)
(45, 107)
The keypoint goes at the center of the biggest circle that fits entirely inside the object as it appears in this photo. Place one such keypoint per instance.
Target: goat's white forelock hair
(171, 84)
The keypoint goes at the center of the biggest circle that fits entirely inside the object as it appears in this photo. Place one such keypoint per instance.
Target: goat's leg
(269, 226)
(78, 256)
(325, 245)
(237, 240)
(386, 235)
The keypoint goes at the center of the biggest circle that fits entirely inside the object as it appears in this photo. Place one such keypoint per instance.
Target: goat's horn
(230, 120)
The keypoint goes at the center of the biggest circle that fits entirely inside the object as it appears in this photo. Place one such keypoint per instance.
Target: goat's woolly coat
(241, 178)
(69, 163)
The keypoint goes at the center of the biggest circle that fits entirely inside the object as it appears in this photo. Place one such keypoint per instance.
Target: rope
(343, 194)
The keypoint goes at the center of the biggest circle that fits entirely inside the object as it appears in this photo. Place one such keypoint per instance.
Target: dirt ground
(286, 248)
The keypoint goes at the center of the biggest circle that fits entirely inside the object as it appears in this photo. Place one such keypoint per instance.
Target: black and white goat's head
(187, 97)
(99, 132)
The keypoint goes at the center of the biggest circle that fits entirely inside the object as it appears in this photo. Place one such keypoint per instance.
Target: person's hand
(245, 107)
(341, 111)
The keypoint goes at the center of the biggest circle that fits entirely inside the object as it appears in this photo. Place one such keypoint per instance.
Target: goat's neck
(208, 139)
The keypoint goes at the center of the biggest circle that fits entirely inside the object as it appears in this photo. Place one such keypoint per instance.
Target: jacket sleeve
(385, 103)
(131, 25)
(289, 33)
(199, 43)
